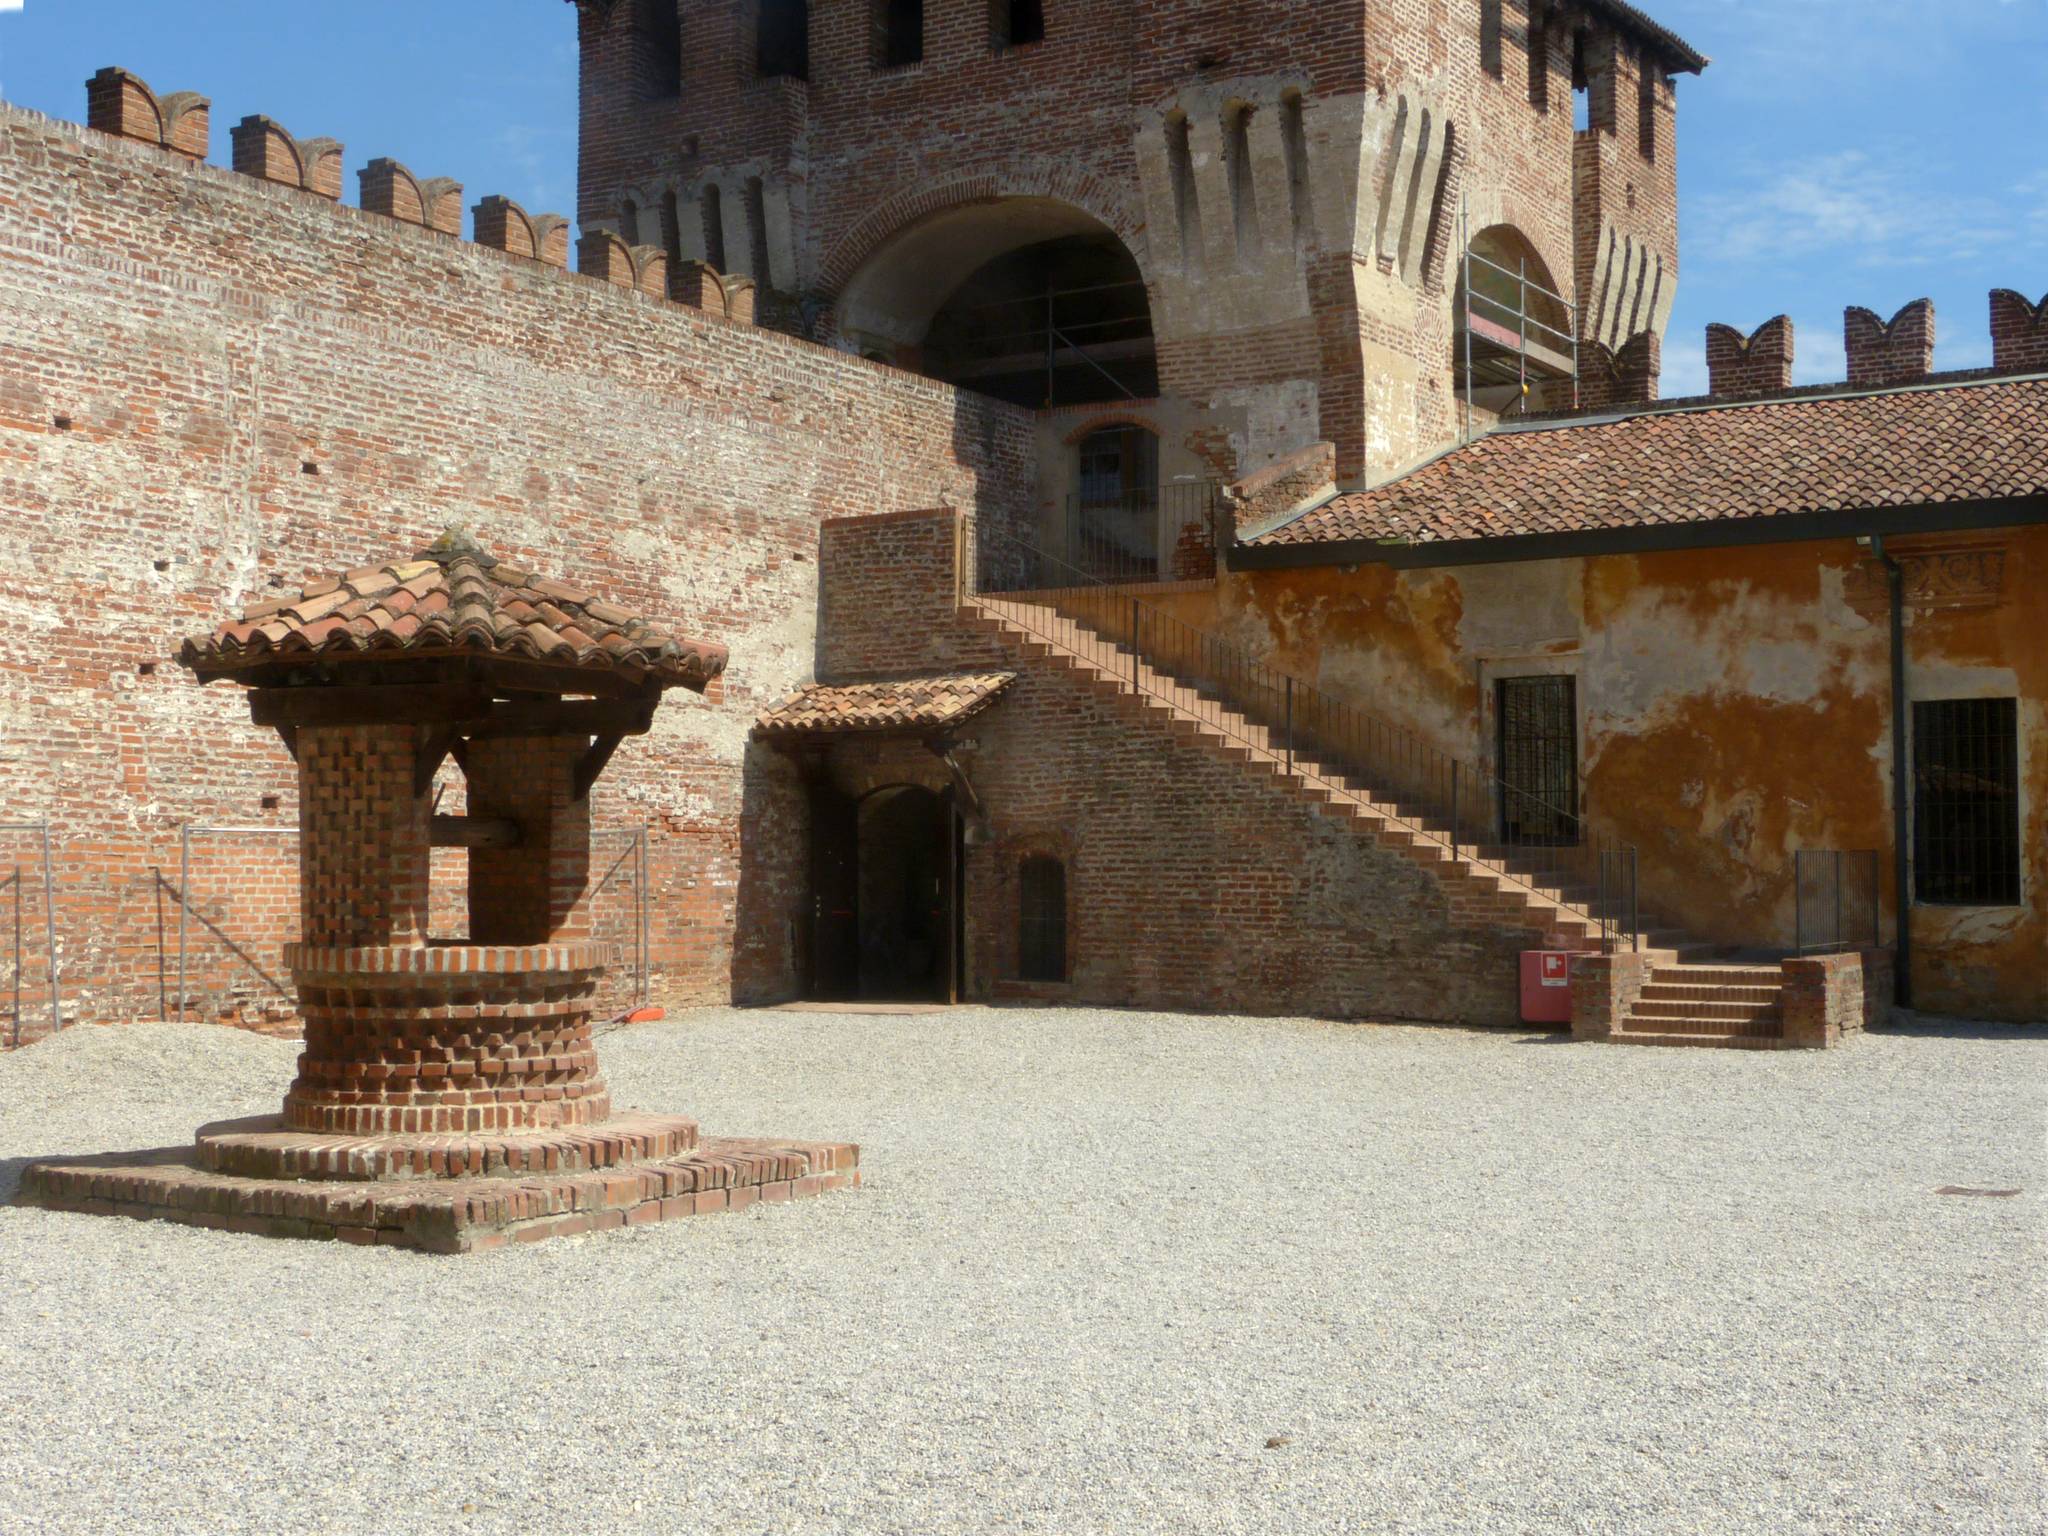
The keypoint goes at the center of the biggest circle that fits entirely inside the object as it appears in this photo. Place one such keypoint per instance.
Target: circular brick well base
(446, 1038)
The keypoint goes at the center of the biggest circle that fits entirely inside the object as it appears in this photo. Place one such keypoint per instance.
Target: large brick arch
(1101, 198)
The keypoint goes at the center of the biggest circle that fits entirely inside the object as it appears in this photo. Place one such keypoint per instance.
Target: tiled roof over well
(902, 704)
(1982, 440)
(453, 599)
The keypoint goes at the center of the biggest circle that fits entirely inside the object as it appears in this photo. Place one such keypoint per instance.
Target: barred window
(1966, 802)
(1646, 106)
(661, 25)
(1042, 919)
(1016, 23)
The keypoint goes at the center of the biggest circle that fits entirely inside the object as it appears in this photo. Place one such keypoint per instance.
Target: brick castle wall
(1191, 882)
(217, 388)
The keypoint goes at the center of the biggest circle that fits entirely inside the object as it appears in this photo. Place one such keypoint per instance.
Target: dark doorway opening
(1042, 919)
(885, 870)
(835, 873)
(1539, 760)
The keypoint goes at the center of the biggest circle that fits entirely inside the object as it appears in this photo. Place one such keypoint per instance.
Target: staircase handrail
(1312, 720)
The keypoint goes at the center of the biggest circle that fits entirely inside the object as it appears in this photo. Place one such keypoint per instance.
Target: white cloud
(1818, 354)
(1857, 208)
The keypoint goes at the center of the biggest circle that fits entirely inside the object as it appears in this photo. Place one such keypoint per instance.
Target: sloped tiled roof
(1686, 57)
(453, 599)
(902, 704)
(1983, 440)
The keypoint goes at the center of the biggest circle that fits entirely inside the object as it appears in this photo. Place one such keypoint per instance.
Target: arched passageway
(1025, 298)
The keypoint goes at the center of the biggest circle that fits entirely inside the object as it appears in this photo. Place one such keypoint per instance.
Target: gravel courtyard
(1468, 1282)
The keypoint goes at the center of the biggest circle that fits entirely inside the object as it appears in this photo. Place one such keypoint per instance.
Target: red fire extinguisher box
(1547, 985)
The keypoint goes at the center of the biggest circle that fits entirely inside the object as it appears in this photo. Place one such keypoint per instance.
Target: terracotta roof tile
(453, 599)
(1983, 440)
(901, 704)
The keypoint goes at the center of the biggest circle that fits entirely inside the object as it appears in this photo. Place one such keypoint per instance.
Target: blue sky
(1836, 152)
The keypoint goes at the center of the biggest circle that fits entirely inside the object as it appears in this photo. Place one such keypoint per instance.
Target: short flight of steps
(1722, 1003)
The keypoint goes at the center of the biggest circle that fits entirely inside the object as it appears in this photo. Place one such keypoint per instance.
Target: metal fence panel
(28, 892)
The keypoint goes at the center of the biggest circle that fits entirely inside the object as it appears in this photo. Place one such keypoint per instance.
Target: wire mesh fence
(33, 993)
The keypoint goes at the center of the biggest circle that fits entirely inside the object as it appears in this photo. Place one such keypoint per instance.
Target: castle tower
(1237, 227)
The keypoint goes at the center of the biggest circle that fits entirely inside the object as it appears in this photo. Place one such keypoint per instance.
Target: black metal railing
(1167, 536)
(1532, 844)
(1836, 899)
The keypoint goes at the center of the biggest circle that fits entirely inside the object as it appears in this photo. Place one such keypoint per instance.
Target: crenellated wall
(214, 386)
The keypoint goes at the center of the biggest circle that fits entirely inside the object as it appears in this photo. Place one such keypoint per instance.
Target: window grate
(1966, 803)
(1042, 919)
(1539, 760)
(782, 41)
(1016, 23)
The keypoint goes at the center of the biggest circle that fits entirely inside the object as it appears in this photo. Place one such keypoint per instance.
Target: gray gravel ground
(1475, 1282)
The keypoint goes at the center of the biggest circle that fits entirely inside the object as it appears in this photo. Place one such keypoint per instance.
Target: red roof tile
(453, 599)
(904, 703)
(1983, 440)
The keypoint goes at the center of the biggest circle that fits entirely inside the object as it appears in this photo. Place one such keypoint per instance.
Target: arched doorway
(885, 882)
(1028, 299)
(1513, 324)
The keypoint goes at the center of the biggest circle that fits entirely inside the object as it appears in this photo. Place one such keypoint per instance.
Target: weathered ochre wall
(1734, 707)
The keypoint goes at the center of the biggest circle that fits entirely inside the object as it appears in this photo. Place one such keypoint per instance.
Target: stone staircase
(1693, 998)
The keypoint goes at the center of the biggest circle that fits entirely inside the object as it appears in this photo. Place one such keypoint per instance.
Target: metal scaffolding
(1503, 337)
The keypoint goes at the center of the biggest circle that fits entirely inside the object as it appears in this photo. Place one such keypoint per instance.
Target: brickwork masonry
(1193, 882)
(216, 386)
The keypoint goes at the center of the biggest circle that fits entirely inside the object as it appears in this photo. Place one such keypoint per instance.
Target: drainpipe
(1902, 950)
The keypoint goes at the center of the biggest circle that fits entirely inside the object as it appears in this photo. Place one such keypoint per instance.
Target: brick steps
(1195, 717)
(1721, 1041)
(1711, 1002)
(1693, 998)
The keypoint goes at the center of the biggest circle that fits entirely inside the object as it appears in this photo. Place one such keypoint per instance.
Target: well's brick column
(535, 892)
(363, 845)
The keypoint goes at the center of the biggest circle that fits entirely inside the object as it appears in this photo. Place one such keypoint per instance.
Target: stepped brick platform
(441, 1213)
(265, 1148)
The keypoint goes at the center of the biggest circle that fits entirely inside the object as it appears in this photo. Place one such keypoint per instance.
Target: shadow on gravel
(10, 1175)
(1931, 1028)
